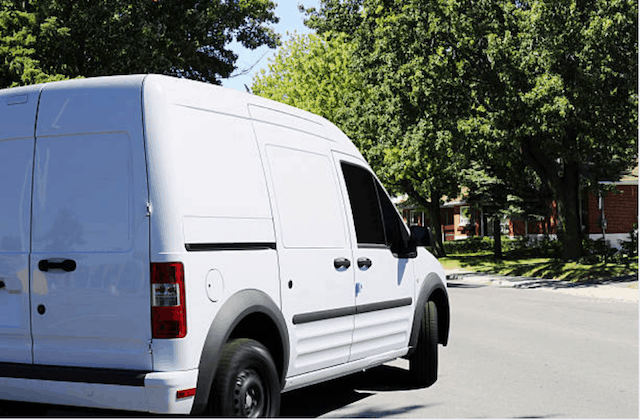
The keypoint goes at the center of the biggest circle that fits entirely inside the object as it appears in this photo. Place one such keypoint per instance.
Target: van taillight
(168, 309)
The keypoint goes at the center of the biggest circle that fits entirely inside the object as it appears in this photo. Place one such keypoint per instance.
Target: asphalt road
(513, 353)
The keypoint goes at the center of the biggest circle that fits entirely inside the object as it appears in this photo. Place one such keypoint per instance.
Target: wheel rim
(249, 396)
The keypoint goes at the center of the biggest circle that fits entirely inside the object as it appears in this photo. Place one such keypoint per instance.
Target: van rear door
(17, 124)
(90, 292)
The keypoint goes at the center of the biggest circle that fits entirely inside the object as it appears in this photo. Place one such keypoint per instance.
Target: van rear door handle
(57, 264)
(343, 263)
(364, 263)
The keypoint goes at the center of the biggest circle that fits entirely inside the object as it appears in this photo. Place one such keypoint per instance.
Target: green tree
(186, 38)
(311, 72)
(551, 83)
(562, 86)
(18, 40)
(408, 54)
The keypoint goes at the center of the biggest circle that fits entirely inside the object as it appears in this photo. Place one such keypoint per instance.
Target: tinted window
(397, 235)
(364, 205)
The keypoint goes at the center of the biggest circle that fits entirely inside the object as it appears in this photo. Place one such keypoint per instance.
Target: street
(512, 354)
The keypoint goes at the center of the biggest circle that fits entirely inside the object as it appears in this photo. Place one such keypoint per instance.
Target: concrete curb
(621, 289)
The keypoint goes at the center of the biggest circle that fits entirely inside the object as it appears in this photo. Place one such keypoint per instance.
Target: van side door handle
(56, 264)
(341, 263)
(364, 263)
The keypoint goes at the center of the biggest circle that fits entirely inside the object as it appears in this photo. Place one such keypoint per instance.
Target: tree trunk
(563, 177)
(433, 209)
(569, 213)
(436, 227)
(497, 244)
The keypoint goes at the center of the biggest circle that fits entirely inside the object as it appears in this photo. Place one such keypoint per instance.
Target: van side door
(384, 288)
(17, 124)
(316, 270)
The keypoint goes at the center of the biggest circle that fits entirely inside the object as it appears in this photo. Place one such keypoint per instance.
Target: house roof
(630, 178)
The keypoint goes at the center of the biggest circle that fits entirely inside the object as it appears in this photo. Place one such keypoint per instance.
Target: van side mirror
(421, 235)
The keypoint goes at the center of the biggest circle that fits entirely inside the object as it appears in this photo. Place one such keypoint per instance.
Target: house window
(466, 216)
(447, 216)
(417, 218)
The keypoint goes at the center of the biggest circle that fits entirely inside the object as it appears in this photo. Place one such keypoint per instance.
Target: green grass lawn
(548, 268)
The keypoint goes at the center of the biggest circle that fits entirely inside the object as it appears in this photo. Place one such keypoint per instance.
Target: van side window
(397, 235)
(364, 205)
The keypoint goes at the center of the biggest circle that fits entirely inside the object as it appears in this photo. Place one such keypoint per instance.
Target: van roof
(211, 97)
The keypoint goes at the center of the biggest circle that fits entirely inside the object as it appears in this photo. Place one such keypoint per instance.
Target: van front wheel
(246, 382)
(423, 363)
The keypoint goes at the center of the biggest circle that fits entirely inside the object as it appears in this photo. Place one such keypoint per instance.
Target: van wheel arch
(247, 314)
(433, 290)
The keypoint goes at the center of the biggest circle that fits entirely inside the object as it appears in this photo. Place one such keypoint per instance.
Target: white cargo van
(171, 246)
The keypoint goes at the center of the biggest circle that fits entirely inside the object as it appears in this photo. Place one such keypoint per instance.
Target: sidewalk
(620, 288)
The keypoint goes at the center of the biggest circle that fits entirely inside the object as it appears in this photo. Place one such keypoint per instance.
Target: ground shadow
(384, 378)
(535, 283)
(316, 400)
(454, 285)
(323, 398)
(378, 413)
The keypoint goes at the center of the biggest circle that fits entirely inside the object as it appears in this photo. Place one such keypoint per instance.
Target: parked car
(170, 246)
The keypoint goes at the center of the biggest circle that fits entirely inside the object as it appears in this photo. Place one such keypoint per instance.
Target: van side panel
(17, 126)
(210, 205)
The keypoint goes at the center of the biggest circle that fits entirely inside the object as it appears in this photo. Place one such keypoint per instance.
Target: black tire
(246, 382)
(423, 363)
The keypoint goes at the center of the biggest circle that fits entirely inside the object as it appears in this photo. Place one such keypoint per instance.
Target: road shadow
(379, 413)
(316, 400)
(535, 283)
(455, 285)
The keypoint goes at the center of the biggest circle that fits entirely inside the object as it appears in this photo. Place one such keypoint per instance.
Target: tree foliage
(550, 85)
(560, 89)
(187, 38)
(311, 72)
(408, 53)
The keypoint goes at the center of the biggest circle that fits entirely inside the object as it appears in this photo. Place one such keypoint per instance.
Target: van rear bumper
(154, 392)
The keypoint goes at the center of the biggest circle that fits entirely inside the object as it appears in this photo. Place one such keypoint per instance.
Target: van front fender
(238, 307)
(432, 289)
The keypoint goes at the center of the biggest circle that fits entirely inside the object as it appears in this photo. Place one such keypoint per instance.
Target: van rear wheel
(246, 382)
(423, 363)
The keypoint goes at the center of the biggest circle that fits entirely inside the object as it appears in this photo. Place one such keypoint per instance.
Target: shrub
(521, 246)
(469, 245)
(630, 247)
(597, 251)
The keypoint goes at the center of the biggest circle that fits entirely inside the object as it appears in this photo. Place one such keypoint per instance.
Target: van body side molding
(351, 310)
(240, 246)
(73, 374)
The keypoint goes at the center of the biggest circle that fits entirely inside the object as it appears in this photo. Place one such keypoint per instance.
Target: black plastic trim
(240, 246)
(350, 310)
(73, 374)
(433, 284)
(234, 310)
(380, 306)
(322, 315)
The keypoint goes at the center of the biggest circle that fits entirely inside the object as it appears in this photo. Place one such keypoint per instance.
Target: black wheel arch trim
(232, 312)
(432, 284)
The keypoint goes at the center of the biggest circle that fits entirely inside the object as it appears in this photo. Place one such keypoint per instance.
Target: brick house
(460, 220)
(619, 208)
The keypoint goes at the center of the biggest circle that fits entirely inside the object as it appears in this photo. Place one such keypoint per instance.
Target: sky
(290, 21)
